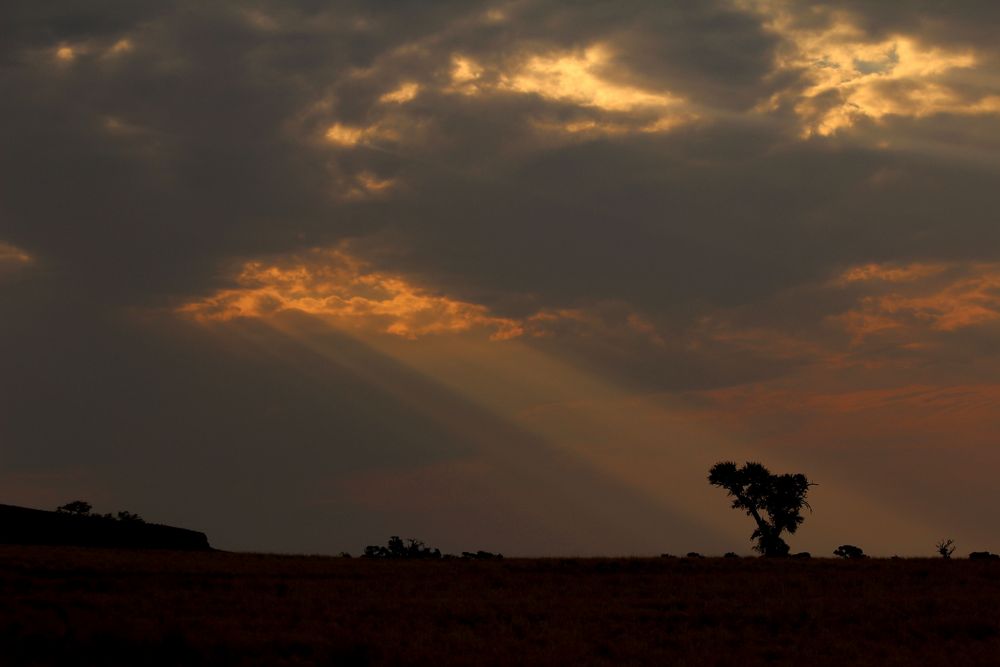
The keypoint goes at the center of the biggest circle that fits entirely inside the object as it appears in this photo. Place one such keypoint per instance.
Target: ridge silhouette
(73, 525)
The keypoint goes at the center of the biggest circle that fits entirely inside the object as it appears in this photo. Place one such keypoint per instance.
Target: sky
(510, 276)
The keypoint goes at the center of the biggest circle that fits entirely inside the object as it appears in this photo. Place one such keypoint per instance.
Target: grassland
(116, 607)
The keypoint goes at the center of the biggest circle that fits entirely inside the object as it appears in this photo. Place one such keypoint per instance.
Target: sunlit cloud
(124, 45)
(66, 53)
(340, 288)
(69, 53)
(365, 185)
(465, 75)
(348, 136)
(889, 273)
(928, 297)
(13, 258)
(345, 135)
(852, 77)
(582, 78)
(404, 93)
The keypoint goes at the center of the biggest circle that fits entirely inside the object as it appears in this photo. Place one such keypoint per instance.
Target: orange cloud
(852, 77)
(330, 283)
(337, 286)
(583, 78)
(404, 93)
(934, 297)
(13, 258)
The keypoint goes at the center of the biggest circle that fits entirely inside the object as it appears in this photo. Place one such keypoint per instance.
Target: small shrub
(946, 548)
(983, 555)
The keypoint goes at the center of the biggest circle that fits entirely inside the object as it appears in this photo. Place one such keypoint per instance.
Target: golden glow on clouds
(404, 93)
(932, 297)
(345, 135)
(66, 54)
(464, 75)
(333, 284)
(123, 45)
(852, 77)
(342, 289)
(365, 185)
(13, 255)
(889, 273)
(348, 136)
(13, 258)
(581, 78)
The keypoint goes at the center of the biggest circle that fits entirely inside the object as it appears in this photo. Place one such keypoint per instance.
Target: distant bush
(694, 554)
(849, 551)
(396, 549)
(983, 555)
(481, 555)
(78, 507)
(731, 554)
(946, 548)
(802, 554)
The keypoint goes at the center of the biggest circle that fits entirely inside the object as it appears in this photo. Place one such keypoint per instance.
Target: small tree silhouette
(774, 501)
(77, 507)
(946, 547)
(849, 551)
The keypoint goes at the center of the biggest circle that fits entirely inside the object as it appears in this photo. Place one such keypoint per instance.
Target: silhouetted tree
(849, 551)
(774, 501)
(946, 548)
(77, 507)
(130, 517)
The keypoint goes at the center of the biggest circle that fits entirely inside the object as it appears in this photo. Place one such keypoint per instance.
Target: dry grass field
(115, 607)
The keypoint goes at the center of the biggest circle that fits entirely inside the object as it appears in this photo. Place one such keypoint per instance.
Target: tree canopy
(774, 502)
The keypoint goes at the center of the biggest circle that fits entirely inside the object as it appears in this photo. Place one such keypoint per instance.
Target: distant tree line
(413, 549)
(82, 508)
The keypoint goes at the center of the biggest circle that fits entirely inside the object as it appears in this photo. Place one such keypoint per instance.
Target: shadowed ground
(119, 607)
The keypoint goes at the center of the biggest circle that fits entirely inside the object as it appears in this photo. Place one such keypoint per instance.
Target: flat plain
(79, 606)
